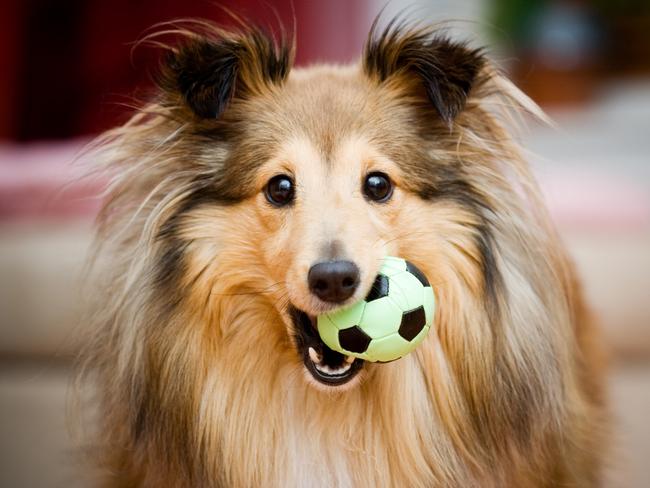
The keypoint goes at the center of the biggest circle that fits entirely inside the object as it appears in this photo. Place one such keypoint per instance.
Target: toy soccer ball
(390, 322)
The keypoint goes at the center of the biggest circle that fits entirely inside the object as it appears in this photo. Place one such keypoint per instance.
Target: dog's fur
(199, 379)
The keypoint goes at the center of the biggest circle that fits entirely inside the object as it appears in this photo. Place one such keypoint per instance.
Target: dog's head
(298, 182)
(276, 192)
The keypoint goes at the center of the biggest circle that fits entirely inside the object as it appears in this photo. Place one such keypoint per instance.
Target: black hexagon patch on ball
(413, 322)
(415, 271)
(354, 339)
(380, 288)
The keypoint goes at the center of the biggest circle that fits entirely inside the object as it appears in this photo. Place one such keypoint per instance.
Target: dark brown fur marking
(446, 69)
(209, 71)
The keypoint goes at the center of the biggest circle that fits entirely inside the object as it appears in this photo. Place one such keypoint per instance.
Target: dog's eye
(378, 187)
(280, 190)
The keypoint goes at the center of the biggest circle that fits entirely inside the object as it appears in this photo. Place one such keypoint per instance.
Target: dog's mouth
(326, 366)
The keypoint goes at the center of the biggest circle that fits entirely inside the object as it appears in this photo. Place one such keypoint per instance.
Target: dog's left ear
(446, 70)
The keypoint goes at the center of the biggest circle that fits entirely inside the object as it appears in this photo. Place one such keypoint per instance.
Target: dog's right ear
(208, 71)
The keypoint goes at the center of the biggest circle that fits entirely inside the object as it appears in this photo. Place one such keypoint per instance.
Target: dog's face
(328, 220)
(323, 173)
(320, 209)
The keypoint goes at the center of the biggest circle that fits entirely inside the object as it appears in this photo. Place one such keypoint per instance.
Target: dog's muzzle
(328, 367)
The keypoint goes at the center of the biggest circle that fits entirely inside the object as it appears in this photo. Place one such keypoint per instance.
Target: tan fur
(477, 404)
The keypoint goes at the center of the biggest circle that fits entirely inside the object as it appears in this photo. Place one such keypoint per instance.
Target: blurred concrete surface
(36, 445)
(629, 461)
(40, 288)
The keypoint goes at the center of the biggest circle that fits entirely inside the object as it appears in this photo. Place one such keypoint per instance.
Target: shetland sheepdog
(237, 179)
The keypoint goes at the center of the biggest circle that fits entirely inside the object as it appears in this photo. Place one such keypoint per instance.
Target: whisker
(249, 293)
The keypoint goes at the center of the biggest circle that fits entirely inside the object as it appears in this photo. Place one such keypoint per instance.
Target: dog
(237, 179)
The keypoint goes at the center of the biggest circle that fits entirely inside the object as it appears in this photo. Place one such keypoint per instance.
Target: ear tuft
(204, 73)
(446, 69)
(210, 69)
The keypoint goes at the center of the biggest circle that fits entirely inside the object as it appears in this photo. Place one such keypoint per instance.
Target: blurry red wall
(67, 65)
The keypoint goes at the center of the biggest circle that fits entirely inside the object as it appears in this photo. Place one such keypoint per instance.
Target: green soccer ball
(390, 322)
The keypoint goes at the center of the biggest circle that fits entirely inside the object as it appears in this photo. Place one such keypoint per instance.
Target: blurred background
(68, 73)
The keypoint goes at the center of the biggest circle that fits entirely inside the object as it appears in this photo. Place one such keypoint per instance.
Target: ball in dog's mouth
(326, 366)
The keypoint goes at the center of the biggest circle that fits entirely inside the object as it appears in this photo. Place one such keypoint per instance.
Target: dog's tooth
(344, 368)
(313, 355)
(349, 359)
(323, 368)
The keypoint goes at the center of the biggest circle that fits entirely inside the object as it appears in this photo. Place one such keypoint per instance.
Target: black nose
(333, 281)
